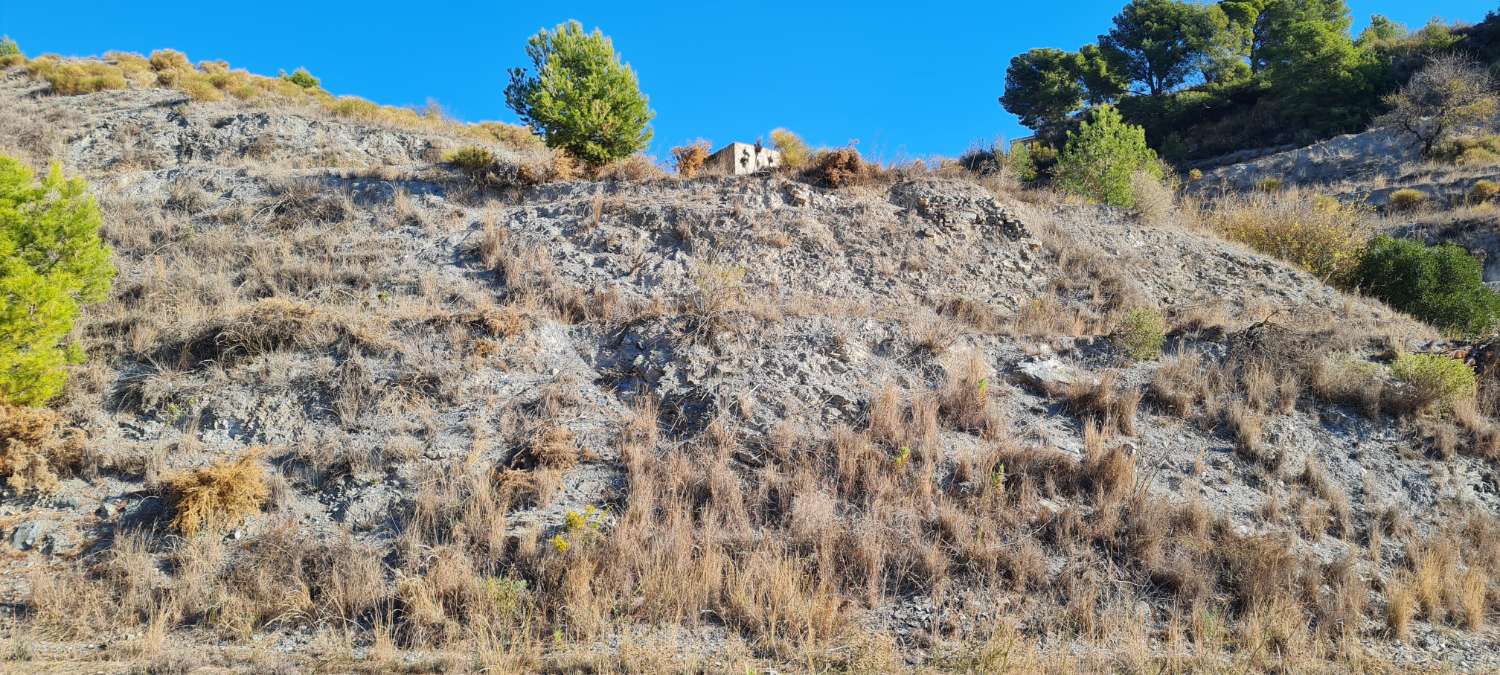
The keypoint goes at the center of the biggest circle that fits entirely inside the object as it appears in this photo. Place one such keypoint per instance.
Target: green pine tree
(1100, 158)
(581, 98)
(52, 261)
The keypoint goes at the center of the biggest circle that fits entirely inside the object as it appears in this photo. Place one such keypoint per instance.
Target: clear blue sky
(908, 81)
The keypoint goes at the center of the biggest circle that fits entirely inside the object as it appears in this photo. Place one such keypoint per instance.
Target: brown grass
(217, 497)
(34, 453)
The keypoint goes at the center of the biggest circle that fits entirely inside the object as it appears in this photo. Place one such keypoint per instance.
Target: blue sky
(906, 81)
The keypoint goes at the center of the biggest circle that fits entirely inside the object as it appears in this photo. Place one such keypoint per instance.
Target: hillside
(715, 424)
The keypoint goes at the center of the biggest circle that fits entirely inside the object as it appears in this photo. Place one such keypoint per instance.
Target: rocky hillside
(713, 424)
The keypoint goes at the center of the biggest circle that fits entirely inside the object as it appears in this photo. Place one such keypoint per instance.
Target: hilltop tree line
(1204, 79)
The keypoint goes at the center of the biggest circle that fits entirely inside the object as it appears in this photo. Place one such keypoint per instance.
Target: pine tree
(1101, 158)
(52, 261)
(581, 98)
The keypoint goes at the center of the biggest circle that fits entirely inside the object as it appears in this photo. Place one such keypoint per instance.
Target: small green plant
(52, 262)
(1442, 285)
(1102, 157)
(471, 158)
(1269, 185)
(997, 478)
(560, 543)
(984, 387)
(1436, 378)
(581, 98)
(1022, 164)
(903, 458)
(1142, 333)
(1407, 199)
(1194, 175)
(794, 151)
(302, 78)
(10, 52)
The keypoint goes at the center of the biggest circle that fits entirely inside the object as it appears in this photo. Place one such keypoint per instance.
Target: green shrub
(1269, 185)
(1101, 158)
(1407, 199)
(1442, 285)
(471, 158)
(52, 261)
(794, 151)
(1142, 333)
(581, 99)
(302, 78)
(1022, 163)
(1483, 191)
(10, 52)
(1435, 379)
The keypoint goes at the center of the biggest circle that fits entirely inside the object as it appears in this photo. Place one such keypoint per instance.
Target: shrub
(471, 158)
(794, 151)
(1407, 199)
(1022, 163)
(32, 453)
(634, 168)
(1435, 378)
(69, 78)
(1319, 234)
(302, 78)
(581, 99)
(838, 168)
(1195, 175)
(10, 52)
(1442, 285)
(1155, 196)
(509, 135)
(52, 261)
(1100, 159)
(1142, 333)
(1483, 191)
(217, 497)
(1268, 185)
(690, 158)
(1451, 94)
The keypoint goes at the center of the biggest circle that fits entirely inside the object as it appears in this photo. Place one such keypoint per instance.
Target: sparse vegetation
(1319, 234)
(578, 71)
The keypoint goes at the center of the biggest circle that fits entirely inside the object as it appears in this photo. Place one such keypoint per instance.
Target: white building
(739, 159)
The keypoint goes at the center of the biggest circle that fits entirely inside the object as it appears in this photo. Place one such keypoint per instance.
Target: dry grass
(217, 497)
(34, 453)
(1317, 233)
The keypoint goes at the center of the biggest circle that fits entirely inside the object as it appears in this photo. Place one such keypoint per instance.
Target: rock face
(378, 324)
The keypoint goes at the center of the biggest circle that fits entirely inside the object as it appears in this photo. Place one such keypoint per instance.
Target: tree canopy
(581, 99)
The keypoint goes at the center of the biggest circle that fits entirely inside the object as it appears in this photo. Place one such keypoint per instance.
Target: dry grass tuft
(1105, 399)
(32, 452)
(552, 448)
(689, 158)
(217, 497)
